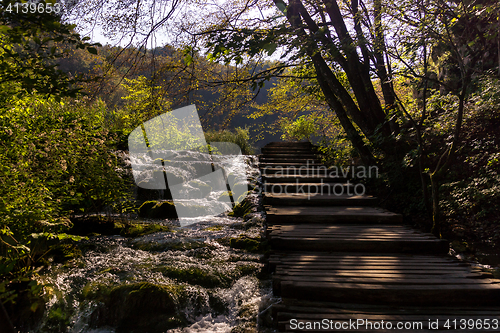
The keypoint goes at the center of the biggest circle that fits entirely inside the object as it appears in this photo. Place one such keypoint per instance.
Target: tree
(456, 37)
(29, 45)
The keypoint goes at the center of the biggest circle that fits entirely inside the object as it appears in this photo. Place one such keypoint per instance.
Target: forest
(412, 87)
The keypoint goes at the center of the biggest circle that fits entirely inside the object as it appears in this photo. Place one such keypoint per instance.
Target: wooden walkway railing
(342, 264)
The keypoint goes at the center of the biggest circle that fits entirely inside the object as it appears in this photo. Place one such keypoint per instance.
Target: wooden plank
(367, 272)
(399, 246)
(362, 256)
(305, 306)
(301, 179)
(443, 295)
(298, 199)
(328, 261)
(337, 214)
(386, 280)
(340, 265)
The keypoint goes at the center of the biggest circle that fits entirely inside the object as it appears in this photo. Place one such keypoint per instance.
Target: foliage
(29, 45)
(473, 189)
(240, 136)
(336, 151)
(56, 161)
(300, 129)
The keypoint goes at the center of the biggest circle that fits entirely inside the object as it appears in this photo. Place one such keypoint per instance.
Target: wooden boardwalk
(340, 263)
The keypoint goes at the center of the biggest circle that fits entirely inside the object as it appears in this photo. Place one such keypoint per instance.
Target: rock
(140, 307)
(158, 210)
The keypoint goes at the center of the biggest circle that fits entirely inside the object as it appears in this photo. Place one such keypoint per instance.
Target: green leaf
(270, 48)
(188, 59)
(92, 50)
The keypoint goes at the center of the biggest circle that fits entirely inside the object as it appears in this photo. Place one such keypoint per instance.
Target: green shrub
(301, 129)
(240, 136)
(56, 160)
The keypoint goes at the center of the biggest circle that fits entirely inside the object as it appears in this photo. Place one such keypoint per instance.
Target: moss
(139, 307)
(241, 209)
(158, 209)
(92, 224)
(245, 243)
(136, 230)
(217, 227)
(174, 246)
(247, 269)
(197, 276)
(63, 252)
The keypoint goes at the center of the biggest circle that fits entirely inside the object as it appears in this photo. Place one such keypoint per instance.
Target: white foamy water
(200, 245)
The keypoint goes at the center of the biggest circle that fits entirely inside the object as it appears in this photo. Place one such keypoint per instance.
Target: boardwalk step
(354, 238)
(297, 199)
(432, 294)
(366, 318)
(302, 179)
(289, 160)
(301, 155)
(315, 188)
(336, 258)
(334, 214)
(291, 166)
(310, 171)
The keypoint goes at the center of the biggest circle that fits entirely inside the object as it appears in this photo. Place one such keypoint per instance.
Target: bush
(56, 160)
(240, 136)
(301, 129)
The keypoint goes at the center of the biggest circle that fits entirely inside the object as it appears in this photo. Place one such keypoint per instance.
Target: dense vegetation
(421, 101)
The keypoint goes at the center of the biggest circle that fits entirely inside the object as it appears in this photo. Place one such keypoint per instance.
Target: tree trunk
(436, 214)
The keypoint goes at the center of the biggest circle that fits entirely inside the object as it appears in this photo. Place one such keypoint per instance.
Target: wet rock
(158, 209)
(140, 307)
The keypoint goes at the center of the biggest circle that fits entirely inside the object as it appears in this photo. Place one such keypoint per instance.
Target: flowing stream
(201, 275)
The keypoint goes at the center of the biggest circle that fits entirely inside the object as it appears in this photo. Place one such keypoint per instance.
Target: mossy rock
(245, 243)
(241, 209)
(63, 252)
(197, 276)
(136, 229)
(158, 210)
(140, 307)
